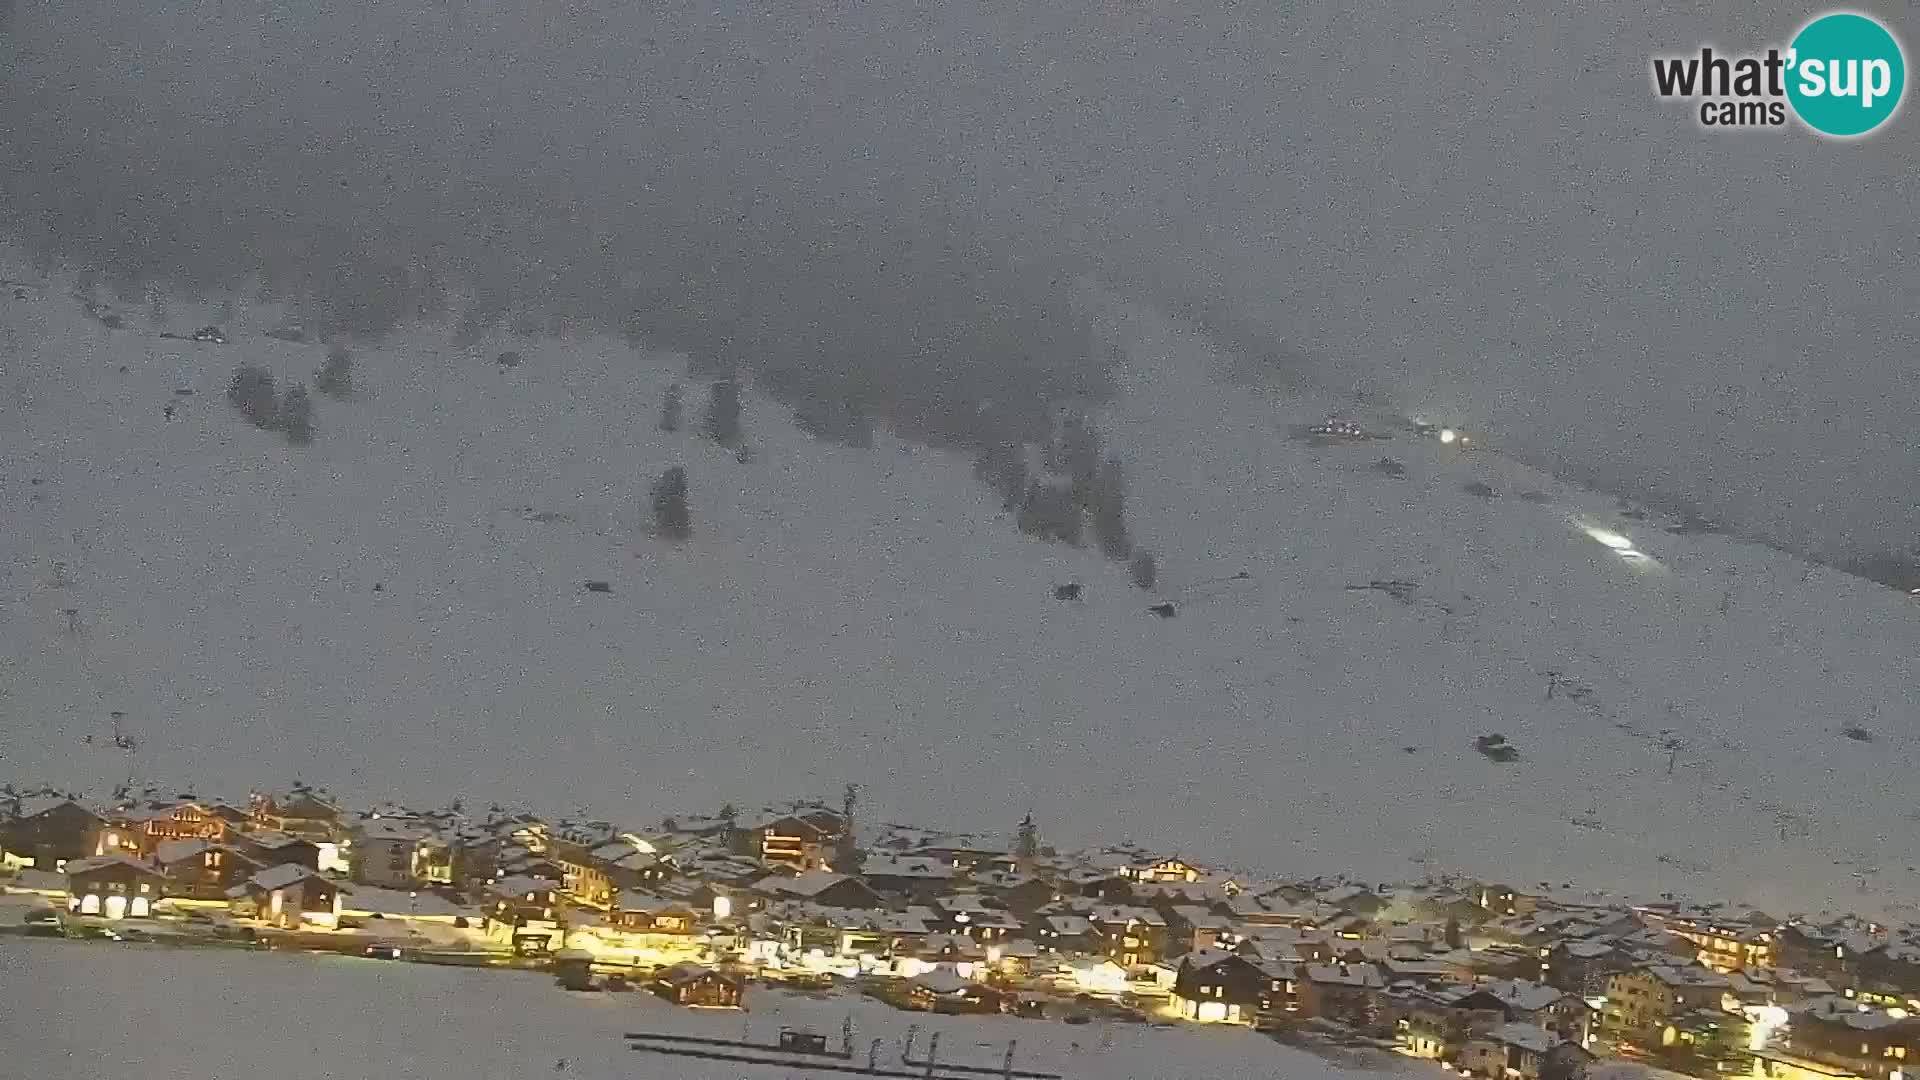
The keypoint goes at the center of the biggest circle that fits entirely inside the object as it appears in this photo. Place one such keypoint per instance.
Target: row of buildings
(1492, 979)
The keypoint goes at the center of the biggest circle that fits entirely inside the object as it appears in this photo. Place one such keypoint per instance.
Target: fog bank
(1464, 210)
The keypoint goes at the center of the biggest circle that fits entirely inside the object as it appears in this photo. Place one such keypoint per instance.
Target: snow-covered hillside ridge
(306, 1018)
(397, 609)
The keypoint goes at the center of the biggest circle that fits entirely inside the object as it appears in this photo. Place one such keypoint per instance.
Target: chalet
(1192, 928)
(1013, 957)
(635, 912)
(1755, 987)
(1892, 966)
(1022, 893)
(1584, 966)
(630, 867)
(518, 899)
(289, 895)
(915, 878)
(942, 991)
(1062, 933)
(1133, 937)
(1873, 1043)
(1830, 951)
(47, 833)
(1353, 900)
(1723, 942)
(1278, 911)
(1429, 1022)
(1642, 999)
(1501, 899)
(1283, 943)
(184, 819)
(597, 859)
(1221, 987)
(820, 887)
(1149, 868)
(806, 838)
(954, 949)
(114, 886)
(1509, 1052)
(302, 813)
(270, 848)
(1518, 1001)
(973, 915)
(203, 870)
(1347, 993)
(968, 856)
(382, 851)
(698, 987)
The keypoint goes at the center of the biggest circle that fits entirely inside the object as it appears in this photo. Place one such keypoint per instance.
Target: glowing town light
(722, 907)
(1449, 436)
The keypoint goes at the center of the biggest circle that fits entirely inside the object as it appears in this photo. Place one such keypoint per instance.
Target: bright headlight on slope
(1612, 539)
(1449, 436)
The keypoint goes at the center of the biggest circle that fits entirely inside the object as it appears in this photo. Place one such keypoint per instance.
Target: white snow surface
(869, 616)
(138, 1013)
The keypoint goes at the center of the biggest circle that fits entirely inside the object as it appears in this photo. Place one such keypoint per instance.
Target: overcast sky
(1464, 210)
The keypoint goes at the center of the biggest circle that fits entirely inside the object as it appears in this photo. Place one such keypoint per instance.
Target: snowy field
(398, 611)
(116, 1012)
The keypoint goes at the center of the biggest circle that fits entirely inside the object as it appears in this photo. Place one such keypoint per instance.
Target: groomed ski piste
(398, 610)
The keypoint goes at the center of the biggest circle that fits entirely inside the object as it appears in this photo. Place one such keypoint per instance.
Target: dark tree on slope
(251, 391)
(1049, 512)
(1076, 454)
(723, 412)
(296, 416)
(1144, 570)
(670, 514)
(335, 378)
(1108, 508)
(1004, 469)
(670, 408)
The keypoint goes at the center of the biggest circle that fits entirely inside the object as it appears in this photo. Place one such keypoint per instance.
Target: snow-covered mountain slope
(398, 610)
(308, 1018)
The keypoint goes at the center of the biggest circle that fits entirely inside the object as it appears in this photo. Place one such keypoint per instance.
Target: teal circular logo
(1846, 74)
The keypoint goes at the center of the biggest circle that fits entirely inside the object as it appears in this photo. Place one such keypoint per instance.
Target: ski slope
(398, 610)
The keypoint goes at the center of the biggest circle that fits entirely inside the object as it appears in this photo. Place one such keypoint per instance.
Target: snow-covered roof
(1201, 959)
(35, 805)
(1523, 995)
(279, 877)
(907, 866)
(168, 852)
(1069, 925)
(1525, 1036)
(1201, 918)
(273, 841)
(1676, 975)
(385, 828)
(1117, 914)
(98, 862)
(641, 900)
(521, 885)
(811, 883)
(1364, 975)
